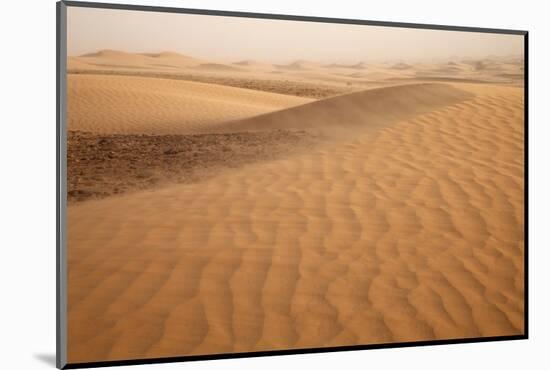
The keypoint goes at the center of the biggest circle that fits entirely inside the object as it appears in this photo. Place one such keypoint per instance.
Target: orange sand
(405, 225)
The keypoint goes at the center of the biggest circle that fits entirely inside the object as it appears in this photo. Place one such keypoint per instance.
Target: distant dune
(401, 66)
(483, 65)
(331, 78)
(139, 105)
(360, 65)
(109, 58)
(254, 64)
(115, 56)
(218, 67)
(176, 59)
(107, 53)
(447, 70)
(299, 65)
(168, 55)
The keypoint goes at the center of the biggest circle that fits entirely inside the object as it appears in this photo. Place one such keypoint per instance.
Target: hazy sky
(233, 39)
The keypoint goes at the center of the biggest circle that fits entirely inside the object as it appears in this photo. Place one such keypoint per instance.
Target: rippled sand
(405, 223)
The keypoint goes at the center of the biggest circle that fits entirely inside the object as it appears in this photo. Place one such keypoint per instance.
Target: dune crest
(364, 109)
(175, 59)
(108, 53)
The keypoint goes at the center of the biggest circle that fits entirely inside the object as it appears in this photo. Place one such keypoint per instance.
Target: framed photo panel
(236, 184)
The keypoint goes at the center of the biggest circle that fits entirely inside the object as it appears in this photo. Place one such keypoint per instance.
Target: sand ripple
(141, 105)
(412, 232)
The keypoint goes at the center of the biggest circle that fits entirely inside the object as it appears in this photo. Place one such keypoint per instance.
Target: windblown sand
(403, 222)
(101, 165)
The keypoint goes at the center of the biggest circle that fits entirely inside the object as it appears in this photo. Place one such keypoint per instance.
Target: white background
(27, 183)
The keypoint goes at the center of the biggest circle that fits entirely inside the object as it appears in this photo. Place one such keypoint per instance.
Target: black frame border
(61, 272)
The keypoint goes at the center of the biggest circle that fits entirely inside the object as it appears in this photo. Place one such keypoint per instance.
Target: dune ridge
(364, 109)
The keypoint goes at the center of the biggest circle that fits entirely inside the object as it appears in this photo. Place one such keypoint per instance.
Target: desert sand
(384, 210)
(143, 105)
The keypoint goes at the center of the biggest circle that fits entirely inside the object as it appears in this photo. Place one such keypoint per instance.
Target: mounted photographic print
(237, 184)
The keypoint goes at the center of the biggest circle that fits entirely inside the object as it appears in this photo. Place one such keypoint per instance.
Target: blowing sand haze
(356, 190)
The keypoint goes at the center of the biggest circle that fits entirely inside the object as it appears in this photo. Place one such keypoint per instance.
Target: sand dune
(366, 109)
(108, 57)
(300, 78)
(359, 65)
(447, 70)
(299, 65)
(114, 58)
(487, 65)
(401, 66)
(138, 105)
(413, 231)
(115, 54)
(172, 55)
(174, 60)
(218, 67)
(254, 64)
